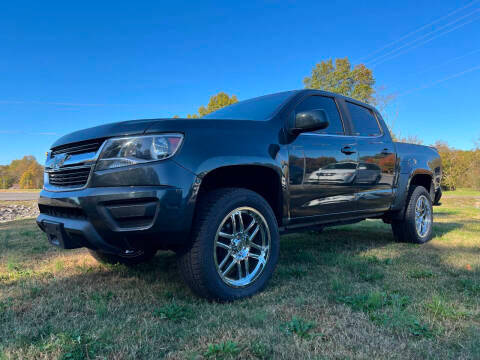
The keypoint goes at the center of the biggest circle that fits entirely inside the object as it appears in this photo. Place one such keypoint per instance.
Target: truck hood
(151, 126)
(124, 128)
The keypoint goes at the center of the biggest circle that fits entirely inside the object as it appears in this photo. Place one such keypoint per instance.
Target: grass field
(350, 292)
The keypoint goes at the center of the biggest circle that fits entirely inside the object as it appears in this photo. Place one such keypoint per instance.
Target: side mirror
(310, 120)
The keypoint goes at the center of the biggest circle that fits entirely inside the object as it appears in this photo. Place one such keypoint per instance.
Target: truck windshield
(259, 108)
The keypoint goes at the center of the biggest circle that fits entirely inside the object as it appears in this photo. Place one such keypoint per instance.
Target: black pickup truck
(219, 190)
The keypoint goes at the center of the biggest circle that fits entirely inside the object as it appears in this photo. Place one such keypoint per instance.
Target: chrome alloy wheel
(242, 247)
(423, 216)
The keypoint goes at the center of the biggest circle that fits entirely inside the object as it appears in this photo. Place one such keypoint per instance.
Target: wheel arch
(418, 177)
(421, 177)
(264, 180)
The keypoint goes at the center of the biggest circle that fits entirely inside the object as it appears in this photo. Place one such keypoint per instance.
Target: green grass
(462, 192)
(300, 327)
(348, 293)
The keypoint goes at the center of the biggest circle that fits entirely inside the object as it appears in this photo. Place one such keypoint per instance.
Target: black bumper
(116, 219)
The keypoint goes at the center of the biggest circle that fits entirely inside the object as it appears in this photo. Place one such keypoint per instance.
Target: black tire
(438, 196)
(405, 230)
(141, 256)
(197, 263)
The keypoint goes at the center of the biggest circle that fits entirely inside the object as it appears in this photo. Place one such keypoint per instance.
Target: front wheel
(235, 245)
(416, 227)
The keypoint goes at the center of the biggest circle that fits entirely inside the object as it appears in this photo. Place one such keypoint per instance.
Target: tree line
(26, 173)
(461, 168)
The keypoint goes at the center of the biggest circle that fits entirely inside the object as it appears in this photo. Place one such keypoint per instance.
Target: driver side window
(328, 105)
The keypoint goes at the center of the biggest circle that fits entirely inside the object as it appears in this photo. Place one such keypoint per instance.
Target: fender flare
(402, 189)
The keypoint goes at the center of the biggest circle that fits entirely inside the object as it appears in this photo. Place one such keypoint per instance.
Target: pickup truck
(219, 190)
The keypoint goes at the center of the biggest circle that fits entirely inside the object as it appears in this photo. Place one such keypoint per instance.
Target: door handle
(347, 149)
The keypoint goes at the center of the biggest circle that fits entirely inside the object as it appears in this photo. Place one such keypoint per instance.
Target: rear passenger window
(328, 105)
(364, 121)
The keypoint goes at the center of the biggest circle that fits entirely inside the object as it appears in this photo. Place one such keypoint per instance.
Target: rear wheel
(234, 248)
(130, 258)
(416, 227)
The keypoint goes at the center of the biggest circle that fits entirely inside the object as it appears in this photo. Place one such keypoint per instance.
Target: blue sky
(70, 65)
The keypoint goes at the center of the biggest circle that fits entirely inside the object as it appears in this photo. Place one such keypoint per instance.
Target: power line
(447, 62)
(414, 42)
(477, 67)
(424, 42)
(418, 30)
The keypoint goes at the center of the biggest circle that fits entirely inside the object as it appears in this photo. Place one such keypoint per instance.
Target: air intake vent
(63, 212)
(78, 148)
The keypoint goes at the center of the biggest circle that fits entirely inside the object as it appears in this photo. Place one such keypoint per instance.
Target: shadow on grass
(446, 213)
(298, 251)
(331, 265)
(443, 228)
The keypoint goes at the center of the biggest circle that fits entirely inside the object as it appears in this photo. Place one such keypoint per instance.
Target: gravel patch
(18, 211)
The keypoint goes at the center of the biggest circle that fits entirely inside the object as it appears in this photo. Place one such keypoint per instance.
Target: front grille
(77, 177)
(78, 148)
(73, 170)
(63, 212)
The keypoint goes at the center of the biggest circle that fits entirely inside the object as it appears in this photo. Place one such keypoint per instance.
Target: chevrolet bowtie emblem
(59, 160)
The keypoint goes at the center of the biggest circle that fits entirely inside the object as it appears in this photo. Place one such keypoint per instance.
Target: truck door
(322, 166)
(376, 152)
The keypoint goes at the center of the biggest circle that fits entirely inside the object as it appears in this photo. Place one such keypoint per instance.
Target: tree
(5, 179)
(340, 78)
(18, 167)
(37, 173)
(216, 102)
(26, 171)
(461, 168)
(26, 180)
(357, 83)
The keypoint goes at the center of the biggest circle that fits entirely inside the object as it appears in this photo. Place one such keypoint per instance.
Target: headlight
(136, 150)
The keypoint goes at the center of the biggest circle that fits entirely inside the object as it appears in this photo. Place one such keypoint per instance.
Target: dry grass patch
(350, 292)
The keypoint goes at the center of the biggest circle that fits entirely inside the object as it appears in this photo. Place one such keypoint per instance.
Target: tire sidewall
(410, 215)
(224, 206)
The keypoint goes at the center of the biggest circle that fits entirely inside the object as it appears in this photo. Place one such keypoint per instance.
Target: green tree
(13, 173)
(340, 78)
(27, 180)
(18, 167)
(216, 102)
(5, 179)
(461, 168)
(37, 173)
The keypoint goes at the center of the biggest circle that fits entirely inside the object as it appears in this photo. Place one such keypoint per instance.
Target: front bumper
(121, 218)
